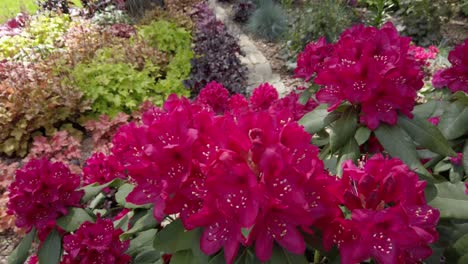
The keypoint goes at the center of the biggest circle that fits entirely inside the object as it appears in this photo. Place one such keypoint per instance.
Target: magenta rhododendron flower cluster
(368, 67)
(455, 77)
(95, 243)
(423, 55)
(41, 193)
(252, 169)
(102, 169)
(386, 215)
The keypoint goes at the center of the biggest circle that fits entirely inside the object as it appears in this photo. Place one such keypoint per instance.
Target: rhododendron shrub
(455, 77)
(389, 219)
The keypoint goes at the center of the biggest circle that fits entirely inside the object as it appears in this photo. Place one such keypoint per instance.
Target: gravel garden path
(260, 70)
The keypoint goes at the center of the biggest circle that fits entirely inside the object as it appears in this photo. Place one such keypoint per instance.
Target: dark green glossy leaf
(282, 256)
(362, 135)
(51, 250)
(174, 237)
(247, 257)
(317, 119)
(144, 223)
(21, 252)
(218, 258)
(349, 152)
(461, 246)
(93, 189)
(397, 143)
(426, 134)
(74, 218)
(183, 257)
(451, 200)
(148, 256)
(343, 129)
(143, 239)
(453, 123)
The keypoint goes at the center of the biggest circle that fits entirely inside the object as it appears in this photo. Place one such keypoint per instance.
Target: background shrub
(269, 21)
(216, 54)
(317, 19)
(242, 11)
(61, 6)
(110, 16)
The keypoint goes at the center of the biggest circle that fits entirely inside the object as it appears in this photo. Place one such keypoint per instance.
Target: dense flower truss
(102, 169)
(368, 67)
(422, 55)
(385, 214)
(224, 164)
(455, 77)
(41, 193)
(95, 243)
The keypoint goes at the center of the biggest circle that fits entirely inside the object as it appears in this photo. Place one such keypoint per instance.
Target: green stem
(316, 257)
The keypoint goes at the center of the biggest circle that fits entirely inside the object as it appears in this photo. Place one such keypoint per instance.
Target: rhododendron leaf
(146, 222)
(74, 218)
(455, 174)
(51, 249)
(142, 240)
(362, 135)
(174, 238)
(465, 157)
(426, 134)
(148, 256)
(343, 129)
(282, 256)
(397, 143)
(21, 252)
(350, 151)
(317, 119)
(461, 245)
(451, 200)
(122, 194)
(429, 109)
(463, 259)
(92, 190)
(461, 96)
(442, 166)
(246, 257)
(123, 222)
(183, 257)
(218, 258)
(453, 121)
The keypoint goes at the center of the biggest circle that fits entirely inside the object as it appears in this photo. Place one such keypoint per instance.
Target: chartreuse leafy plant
(40, 36)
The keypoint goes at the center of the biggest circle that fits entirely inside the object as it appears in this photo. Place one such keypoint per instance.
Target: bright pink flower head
(41, 193)
(371, 68)
(214, 95)
(33, 260)
(102, 169)
(455, 77)
(311, 60)
(422, 55)
(95, 243)
(390, 219)
(263, 96)
(291, 104)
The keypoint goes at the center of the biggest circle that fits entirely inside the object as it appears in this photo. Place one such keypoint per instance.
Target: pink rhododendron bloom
(214, 95)
(249, 165)
(390, 220)
(434, 120)
(311, 60)
(102, 169)
(41, 193)
(95, 243)
(263, 96)
(455, 77)
(422, 55)
(457, 160)
(368, 67)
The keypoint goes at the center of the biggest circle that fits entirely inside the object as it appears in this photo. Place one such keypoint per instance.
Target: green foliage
(166, 36)
(464, 7)
(269, 21)
(379, 10)
(111, 15)
(41, 35)
(114, 87)
(317, 19)
(423, 19)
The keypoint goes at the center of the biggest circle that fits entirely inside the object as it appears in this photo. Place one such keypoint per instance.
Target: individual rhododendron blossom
(311, 60)
(263, 96)
(41, 193)
(102, 169)
(387, 218)
(455, 77)
(95, 243)
(262, 175)
(368, 67)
